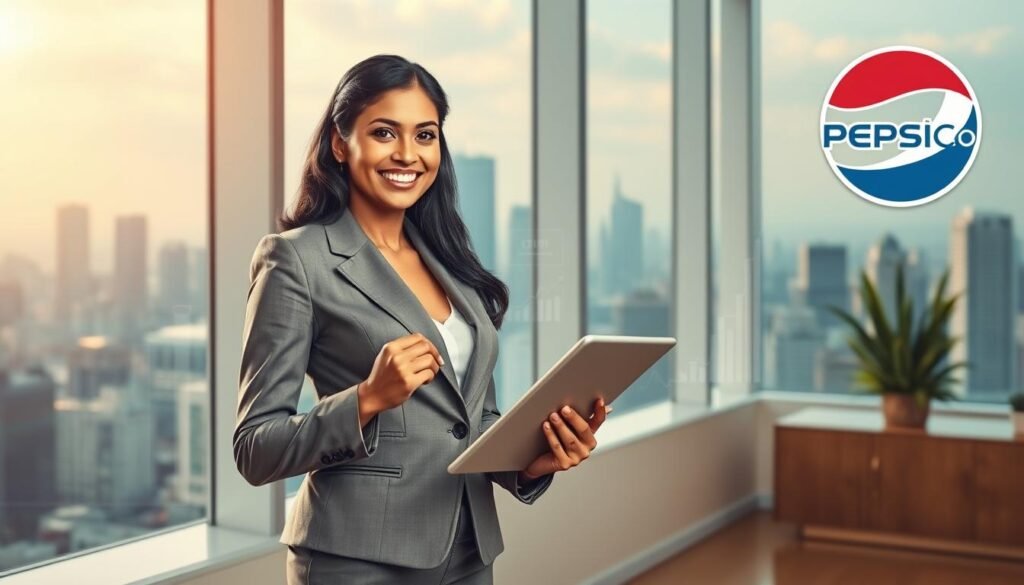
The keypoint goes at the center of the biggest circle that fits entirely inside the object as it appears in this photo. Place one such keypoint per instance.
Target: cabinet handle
(875, 462)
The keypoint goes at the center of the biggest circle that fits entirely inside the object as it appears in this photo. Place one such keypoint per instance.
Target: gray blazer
(322, 302)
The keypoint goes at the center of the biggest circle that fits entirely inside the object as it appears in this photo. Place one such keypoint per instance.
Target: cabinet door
(999, 484)
(822, 477)
(925, 486)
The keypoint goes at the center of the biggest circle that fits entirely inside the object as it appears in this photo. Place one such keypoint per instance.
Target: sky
(104, 104)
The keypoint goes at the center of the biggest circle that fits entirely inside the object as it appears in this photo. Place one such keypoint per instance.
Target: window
(629, 179)
(818, 236)
(102, 271)
(480, 53)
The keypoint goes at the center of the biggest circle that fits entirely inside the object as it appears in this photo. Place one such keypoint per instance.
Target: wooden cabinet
(960, 482)
(999, 494)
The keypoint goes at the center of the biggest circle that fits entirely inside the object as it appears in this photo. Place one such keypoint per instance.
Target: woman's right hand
(402, 366)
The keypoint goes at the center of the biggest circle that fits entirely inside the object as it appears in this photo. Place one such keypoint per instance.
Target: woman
(373, 289)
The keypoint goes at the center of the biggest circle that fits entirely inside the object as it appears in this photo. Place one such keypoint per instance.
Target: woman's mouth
(400, 180)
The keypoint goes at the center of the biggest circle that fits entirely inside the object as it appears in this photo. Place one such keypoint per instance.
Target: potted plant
(1017, 404)
(905, 364)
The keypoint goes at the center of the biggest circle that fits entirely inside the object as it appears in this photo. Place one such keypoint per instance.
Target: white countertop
(939, 425)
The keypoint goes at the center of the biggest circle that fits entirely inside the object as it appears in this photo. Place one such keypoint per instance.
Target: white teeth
(400, 178)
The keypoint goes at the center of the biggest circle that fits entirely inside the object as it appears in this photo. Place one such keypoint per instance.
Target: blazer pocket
(391, 422)
(361, 469)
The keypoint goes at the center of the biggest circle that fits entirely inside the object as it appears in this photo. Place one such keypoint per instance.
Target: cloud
(982, 42)
(607, 51)
(789, 47)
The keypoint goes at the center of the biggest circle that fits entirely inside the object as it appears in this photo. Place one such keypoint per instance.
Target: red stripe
(888, 75)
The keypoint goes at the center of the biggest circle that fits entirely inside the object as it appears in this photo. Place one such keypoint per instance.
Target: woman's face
(394, 149)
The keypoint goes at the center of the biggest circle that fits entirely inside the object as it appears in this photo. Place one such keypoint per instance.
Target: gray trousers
(462, 566)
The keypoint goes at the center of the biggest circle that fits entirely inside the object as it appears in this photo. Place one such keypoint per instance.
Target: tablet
(595, 366)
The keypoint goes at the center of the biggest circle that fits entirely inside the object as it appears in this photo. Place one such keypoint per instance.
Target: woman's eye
(429, 135)
(379, 130)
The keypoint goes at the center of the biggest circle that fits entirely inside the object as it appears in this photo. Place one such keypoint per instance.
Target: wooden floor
(758, 551)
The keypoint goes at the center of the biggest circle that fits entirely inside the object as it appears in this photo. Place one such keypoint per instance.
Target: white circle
(864, 195)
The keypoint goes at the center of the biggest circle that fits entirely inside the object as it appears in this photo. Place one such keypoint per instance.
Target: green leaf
(875, 310)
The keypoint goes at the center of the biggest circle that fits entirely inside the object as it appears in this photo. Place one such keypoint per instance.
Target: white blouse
(458, 340)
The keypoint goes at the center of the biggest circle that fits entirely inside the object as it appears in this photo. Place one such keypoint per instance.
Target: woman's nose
(403, 152)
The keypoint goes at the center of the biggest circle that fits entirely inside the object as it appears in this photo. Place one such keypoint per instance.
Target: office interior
(643, 168)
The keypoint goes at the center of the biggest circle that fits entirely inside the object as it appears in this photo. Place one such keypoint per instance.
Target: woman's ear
(337, 146)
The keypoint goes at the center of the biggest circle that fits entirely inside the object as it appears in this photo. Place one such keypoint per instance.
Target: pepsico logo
(900, 126)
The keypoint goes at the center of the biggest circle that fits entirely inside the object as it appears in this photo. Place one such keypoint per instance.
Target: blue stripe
(916, 180)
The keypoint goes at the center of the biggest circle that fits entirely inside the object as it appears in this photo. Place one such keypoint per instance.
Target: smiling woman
(371, 261)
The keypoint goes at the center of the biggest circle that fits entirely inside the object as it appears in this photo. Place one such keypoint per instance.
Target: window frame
(245, 114)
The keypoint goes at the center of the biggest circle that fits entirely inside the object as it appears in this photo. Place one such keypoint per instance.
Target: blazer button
(459, 430)
(325, 460)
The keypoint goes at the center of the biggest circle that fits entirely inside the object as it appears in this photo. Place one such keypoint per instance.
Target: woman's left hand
(571, 438)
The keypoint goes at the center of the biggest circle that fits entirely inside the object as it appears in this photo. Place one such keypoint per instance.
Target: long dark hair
(323, 194)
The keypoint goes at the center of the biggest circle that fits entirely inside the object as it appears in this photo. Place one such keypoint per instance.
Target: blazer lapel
(460, 295)
(370, 272)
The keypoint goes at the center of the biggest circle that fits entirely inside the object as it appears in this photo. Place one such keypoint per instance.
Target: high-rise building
(175, 356)
(12, 303)
(193, 443)
(94, 362)
(624, 257)
(130, 286)
(982, 262)
(27, 450)
(882, 261)
(835, 369)
(476, 204)
(791, 349)
(521, 255)
(918, 279)
(201, 284)
(513, 373)
(645, 312)
(74, 286)
(104, 451)
(173, 300)
(821, 280)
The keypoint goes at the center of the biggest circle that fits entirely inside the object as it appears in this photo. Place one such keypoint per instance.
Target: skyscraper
(96, 361)
(130, 275)
(645, 312)
(882, 261)
(982, 265)
(791, 349)
(623, 260)
(201, 283)
(27, 449)
(173, 300)
(193, 443)
(821, 280)
(520, 265)
(104, 451)
(74, 274)
(476, 204)
(175, 356)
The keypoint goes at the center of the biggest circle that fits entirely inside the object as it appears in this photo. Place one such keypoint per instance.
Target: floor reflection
(758, 551)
